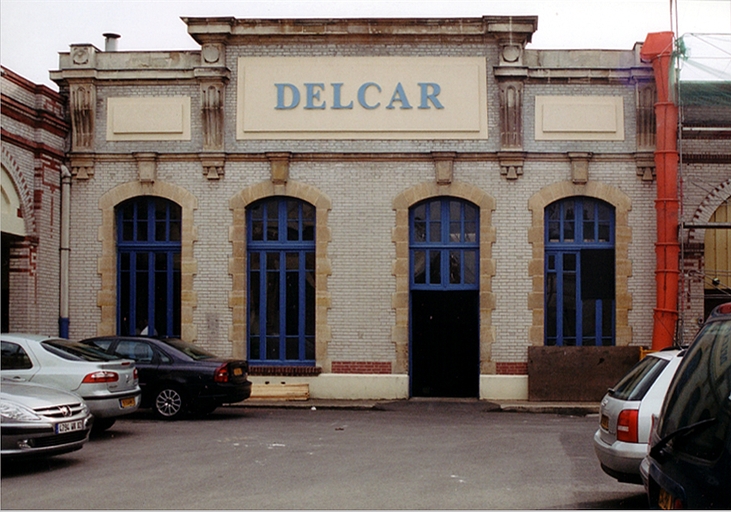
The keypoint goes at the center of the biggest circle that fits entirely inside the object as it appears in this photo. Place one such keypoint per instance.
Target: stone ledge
(285, 371)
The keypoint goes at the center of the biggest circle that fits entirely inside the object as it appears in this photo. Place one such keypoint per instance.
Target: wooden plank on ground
(280, 392)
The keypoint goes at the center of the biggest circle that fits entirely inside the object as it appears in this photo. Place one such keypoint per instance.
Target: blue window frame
(580, 273)
(281, 282)
(148, 263)
(444, 245)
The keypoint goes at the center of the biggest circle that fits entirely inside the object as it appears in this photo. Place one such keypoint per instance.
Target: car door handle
(17, 378)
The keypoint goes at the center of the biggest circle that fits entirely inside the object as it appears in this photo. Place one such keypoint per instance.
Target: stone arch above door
(400, 238)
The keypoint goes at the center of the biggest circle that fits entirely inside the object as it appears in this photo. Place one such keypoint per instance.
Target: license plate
(238, 372)
(69, 426)
(604, 422)
(665, 500)
(127, 402)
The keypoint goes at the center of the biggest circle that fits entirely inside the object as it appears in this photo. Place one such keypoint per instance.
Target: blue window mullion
(301, 290)
(282, 298)
(169, 279)
(262, 304)
(598, 330)
(151, 269)
(133, 289)
(579, 303)
(559, 299)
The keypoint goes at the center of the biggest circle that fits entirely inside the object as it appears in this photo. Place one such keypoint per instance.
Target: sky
(34, 32)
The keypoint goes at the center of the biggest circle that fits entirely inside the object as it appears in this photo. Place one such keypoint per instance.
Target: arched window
(444, 245)
(579, 272)
(148, 263)
(281, 282)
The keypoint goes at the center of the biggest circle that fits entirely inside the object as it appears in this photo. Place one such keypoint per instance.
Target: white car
(109, 385)
(626, 414)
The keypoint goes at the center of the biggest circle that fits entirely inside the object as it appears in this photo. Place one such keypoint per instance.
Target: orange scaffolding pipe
(658, 49)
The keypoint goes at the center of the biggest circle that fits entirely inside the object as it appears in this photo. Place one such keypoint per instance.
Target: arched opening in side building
(717, 260)
(444, 298)
(13, 232)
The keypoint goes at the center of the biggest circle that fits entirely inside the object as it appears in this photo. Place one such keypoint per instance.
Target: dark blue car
(689, 463)
(178, 377)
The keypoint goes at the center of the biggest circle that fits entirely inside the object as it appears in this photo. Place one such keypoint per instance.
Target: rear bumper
(620, 460)
(113, 405)
(226, 393)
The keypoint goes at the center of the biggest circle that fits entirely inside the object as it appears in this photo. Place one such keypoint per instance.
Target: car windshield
(190, 350)
(76, 351)
(701, 394)
(639, 379)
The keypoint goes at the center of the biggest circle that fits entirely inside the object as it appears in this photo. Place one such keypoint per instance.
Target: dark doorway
(445, 343)
(7, 241)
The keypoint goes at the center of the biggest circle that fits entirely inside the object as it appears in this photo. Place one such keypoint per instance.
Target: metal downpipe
(63, 317)
(658, 49)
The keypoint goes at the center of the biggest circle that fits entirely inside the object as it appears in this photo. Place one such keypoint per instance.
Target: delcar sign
(361, 98)
(429, 93)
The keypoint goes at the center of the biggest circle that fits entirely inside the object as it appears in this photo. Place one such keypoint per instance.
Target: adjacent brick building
(34, 135)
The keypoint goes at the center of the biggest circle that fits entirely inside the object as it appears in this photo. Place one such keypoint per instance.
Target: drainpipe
(658, 49)
(63, 320)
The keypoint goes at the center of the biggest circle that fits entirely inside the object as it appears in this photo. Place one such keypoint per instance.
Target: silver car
(41, 421)
(626, 413)
(109, 385)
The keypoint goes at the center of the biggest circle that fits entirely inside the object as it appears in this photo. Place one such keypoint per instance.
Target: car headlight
(17, 412)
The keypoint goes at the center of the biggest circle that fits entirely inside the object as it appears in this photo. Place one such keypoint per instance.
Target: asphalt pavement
(412, 454)
(567, 408)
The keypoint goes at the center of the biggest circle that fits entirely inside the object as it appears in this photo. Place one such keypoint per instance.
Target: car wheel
(102, 424)
(169, 403)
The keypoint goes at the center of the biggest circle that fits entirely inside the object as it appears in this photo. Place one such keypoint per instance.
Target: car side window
(162, 357)
(14, 357)
(102, 344)
(138, 351)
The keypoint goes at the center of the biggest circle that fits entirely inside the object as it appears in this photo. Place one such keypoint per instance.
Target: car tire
(170, 403)
(102, 424)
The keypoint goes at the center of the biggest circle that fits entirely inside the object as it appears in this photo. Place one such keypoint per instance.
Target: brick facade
(34, 134)
(362, 189)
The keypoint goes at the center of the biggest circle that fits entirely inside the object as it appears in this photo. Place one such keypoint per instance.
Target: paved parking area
(408, 455)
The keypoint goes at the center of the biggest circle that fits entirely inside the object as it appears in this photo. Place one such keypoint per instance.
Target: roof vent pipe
(110, 42)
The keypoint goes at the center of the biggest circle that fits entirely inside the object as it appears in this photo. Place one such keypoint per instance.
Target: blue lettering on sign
(289, 95)
(313, 95)
(336, 98)
(280, 96)
(361, 95)
(426, 96)
(399, 95)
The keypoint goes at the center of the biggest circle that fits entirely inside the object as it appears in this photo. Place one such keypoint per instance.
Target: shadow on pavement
(438, 405)
(635, 502)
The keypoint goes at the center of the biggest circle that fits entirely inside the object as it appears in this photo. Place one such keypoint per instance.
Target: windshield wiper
(656, 452)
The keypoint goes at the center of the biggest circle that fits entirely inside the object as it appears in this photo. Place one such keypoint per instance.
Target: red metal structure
(658, 49)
